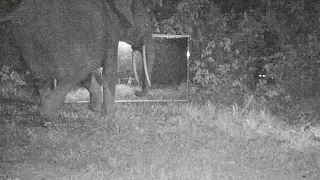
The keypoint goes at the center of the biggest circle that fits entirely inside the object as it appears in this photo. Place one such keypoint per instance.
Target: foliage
(232, 40)
(125, 68)
(216, 66)
(17, 85)
(10, 82)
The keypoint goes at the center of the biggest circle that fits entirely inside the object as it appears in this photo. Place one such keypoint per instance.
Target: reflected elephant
(146, 71)
(68, 40)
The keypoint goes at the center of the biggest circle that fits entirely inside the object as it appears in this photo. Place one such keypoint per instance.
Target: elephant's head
(138, 28)
(135, 19)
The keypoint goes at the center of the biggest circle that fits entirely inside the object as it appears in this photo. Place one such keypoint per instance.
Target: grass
(154, 141)
(124, 92)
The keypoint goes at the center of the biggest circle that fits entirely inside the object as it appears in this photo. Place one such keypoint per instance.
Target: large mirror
(168, 75)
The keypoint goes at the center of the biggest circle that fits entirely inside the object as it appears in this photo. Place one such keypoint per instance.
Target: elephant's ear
(124, 6)
(121, 8)
(150, 4)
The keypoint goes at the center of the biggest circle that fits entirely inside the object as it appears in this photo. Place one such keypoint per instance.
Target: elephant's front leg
(109, 81)
(44, 88)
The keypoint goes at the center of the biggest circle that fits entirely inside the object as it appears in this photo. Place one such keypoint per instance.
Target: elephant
(69, 40)
(94, 81)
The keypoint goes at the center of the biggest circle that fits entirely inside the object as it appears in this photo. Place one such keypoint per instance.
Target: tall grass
(154, 141)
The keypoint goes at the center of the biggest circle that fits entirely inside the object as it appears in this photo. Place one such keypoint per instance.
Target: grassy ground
(124, 92)
(155, 141)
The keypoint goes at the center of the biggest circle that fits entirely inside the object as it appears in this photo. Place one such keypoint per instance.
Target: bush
(231, 45)
(15, 86)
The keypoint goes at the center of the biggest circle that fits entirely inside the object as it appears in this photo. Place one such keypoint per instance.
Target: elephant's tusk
(134, 63)
(145, 64)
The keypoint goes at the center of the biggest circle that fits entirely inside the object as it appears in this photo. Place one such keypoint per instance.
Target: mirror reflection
(166, 69)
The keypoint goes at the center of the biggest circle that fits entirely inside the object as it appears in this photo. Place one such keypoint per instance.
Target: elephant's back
(61, 38)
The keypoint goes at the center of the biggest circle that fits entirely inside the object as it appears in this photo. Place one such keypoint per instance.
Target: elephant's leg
(44, 89)
(50, 101)
(94, 88)
(109, 80)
